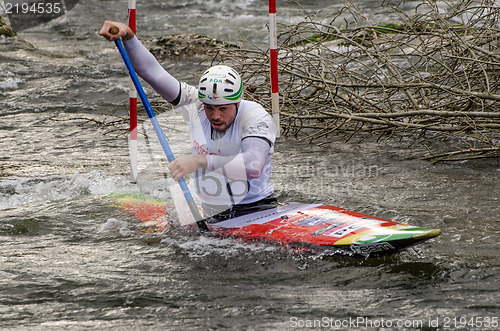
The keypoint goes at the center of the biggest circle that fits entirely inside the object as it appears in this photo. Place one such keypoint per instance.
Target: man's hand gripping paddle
(159, 133)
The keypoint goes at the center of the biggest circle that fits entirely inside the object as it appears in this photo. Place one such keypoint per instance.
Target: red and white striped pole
(273, 48)
(132, 145)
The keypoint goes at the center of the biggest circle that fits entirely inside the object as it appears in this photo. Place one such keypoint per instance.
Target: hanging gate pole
(273, 50)
(133, 106)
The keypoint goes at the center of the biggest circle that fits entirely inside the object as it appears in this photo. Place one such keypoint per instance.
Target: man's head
(221, 90)
(221, 116)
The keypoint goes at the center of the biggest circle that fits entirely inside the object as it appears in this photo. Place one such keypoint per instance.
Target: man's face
(221, 116)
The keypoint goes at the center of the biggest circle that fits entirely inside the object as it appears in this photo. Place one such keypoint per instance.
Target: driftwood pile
(432, 75)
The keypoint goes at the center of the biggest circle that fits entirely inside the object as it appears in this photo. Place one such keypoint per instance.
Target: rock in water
(5, 29)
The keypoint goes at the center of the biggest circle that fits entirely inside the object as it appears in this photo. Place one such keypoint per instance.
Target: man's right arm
(146, 66)
(144, 63)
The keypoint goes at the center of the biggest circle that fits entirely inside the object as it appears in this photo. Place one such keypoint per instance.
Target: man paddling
(232, 139)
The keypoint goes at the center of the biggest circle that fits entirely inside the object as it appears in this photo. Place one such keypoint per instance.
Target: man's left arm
(247, 164)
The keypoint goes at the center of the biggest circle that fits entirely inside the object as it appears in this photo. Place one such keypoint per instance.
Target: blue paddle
(159, 133)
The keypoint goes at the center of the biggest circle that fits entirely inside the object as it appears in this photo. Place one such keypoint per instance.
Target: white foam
(10, 83)
(115, 227)
(202, 246)
(19, 191)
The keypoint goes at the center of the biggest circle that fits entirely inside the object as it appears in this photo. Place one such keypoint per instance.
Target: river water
(70, 260)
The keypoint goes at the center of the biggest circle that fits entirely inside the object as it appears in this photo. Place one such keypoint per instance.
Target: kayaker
(232, 139)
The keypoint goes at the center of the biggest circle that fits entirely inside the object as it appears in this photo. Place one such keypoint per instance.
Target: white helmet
(220, 85)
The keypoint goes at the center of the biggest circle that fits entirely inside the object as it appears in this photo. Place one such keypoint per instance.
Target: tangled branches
(433, 75)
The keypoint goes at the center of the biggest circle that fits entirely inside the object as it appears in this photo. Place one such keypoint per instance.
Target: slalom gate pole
(132, 144)
(159, 133)
(273, 52)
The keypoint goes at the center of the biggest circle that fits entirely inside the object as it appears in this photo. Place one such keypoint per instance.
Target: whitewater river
(70, 260)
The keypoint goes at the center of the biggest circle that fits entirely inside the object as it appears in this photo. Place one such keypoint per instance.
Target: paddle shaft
(159, 133)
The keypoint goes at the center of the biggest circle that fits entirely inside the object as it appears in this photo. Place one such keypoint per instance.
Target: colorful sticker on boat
(342, 231)
(336, 221)
(318, 220)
